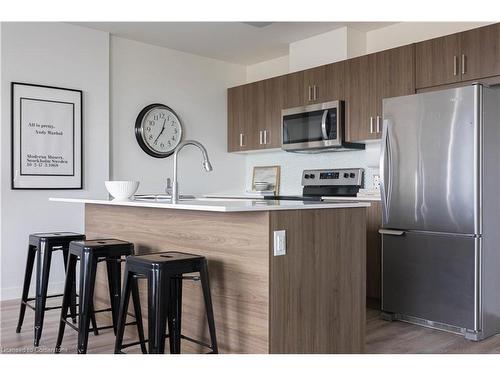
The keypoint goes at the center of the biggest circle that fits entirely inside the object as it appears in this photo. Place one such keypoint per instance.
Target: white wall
(195, 87)
(403, 33)
(268, 69)
(319, 50)
(62, 55)
(292, 165)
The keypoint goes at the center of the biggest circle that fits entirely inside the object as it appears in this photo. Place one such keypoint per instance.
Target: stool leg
(26, 286)
(174, 315)
(122, 314)
(44, 257)
(114, 284)
(92, 320)
(88, 267)
(138, 314)
(72, 305)
(208, 305)
(67, 295)
(158, 293)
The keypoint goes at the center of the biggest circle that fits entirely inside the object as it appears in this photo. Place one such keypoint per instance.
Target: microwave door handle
(323, 125)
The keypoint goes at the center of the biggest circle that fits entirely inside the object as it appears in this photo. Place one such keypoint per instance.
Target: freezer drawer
(430, 276)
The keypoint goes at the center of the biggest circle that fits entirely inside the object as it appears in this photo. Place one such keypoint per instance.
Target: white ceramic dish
(261, 186)
(122, 190)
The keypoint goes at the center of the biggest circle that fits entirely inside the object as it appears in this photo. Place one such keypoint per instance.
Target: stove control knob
(312, 175)
(352, 175)
(346, 175)
(307, 176)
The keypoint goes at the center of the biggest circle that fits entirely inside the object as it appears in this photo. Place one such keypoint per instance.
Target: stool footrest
(195, 341)
(132, 344)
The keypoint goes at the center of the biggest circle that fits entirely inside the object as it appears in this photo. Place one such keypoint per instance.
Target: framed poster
(46, 137)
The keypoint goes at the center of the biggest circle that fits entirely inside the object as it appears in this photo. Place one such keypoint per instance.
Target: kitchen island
(310, 300)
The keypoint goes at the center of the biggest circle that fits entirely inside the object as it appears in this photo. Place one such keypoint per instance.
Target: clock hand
(162, 129)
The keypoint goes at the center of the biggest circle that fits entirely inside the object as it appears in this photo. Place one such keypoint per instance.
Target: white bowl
(261, 186)
(122, 190)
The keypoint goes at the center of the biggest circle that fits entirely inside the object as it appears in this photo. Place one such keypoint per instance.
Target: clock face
(158, 130)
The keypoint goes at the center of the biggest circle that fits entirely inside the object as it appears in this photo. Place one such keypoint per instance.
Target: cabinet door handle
(309, 91)
(315, 92)
(260, 137)
(265, 137)
(241, 140)
(455, 65)
(378, 124)
(371, 124)
(464, 70)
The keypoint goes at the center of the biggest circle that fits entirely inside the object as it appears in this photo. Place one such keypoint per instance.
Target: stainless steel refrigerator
(440, 169)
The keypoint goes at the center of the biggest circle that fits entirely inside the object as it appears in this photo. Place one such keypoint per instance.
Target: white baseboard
(7, 294)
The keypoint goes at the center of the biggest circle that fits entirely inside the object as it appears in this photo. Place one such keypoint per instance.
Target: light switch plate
(376, 182)
(279, 242)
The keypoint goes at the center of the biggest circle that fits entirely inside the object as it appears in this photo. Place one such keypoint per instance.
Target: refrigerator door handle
(385, 159)
(391, 232)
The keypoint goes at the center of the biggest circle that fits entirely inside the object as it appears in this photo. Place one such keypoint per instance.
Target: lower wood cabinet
(373, 253)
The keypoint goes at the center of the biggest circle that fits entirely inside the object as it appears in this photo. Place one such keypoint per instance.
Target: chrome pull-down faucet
(206, 165)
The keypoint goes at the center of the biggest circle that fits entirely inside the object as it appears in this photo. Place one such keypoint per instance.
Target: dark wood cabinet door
(235, 118)
(315, 87)
(480, 57)
(437, 61)
(274, 89)
(395, 76)
(256, 115)
(335, 82)
(359, 104)
(294, 93)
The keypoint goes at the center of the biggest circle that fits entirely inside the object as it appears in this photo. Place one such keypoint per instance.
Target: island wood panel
(317, 291)
(237, 248)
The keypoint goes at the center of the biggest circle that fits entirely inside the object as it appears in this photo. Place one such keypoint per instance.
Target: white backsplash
(292, 165)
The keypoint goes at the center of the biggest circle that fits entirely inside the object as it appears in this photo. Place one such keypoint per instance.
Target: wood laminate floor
(381, 336)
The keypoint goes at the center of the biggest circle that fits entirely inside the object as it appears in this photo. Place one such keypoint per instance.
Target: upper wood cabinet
(360, 103)
(254, 110)
(236, 118)
(465, 56)
(274, 90)
(254, 115)
(480, 55)
(437, 61)
(370, 79)
(315, 85)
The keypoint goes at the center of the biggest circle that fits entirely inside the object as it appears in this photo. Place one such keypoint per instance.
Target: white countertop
(221, 205)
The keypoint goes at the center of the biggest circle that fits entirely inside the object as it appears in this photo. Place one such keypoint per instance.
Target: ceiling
(236, 42)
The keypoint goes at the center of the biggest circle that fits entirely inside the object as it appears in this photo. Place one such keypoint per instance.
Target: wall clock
(158, 130)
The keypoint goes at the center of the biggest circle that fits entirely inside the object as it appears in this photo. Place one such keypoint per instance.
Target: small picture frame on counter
(46, 141)
(266, 179)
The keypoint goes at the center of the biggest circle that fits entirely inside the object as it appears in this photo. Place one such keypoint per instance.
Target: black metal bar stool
(164, 273)
(89, 253)
(41, 246)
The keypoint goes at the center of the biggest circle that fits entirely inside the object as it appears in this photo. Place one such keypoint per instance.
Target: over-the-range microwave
(315, 128)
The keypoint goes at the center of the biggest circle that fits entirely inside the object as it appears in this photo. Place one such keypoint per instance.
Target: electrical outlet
(279, 242)
(376, 182)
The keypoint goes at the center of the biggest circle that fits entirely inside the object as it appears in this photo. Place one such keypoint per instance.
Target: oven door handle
(323, 125)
